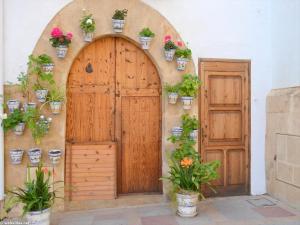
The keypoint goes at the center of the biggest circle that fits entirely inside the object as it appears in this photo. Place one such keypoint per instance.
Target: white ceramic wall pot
(61, 51)
(12, 105)
(38, 217)
(29, 105)
(176, 131)
(55, 107)
(35, 155)
(181, 63)
(118, 25)
(194, 134)
(187, 204)
(169, 55)
(16, 156)
(145, 42)
(172, 96)
(41, 95)
(88, 37)
(19, 129)
(55, 156)
(187, 102)
(48, 67)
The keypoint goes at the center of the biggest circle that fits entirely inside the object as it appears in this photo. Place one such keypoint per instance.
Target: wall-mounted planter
(41, 95)
(61, 51)
(169, 55)
(187, 102)
(35, 155)
(145, 42)
(88, 37)
(16, 156)
(29, 105)
(55, 107)
(19, 129)
(172, 96)
(55, 156)
(48, 67)
(12, 105)
(118, 25)
(194, 134)
(176, 131)
(181, 63)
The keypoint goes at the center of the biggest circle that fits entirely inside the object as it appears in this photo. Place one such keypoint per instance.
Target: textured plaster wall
(283, 145)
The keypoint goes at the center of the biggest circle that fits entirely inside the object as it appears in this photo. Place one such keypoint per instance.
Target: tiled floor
(242, 210)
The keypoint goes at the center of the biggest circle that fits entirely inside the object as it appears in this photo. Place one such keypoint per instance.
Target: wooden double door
(224, 113)
(114, 95)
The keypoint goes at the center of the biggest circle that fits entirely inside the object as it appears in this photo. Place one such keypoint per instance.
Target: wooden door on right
(225, 122)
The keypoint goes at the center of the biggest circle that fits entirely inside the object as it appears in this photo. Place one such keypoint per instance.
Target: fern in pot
(146, 36)
(15, 122)
(88, 26)
(172, 91)
(118, 20)
(56, 98)
(183, 55)
(188, 90)
(169, 47)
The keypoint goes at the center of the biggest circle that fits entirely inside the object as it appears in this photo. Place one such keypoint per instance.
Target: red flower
(179, 43)
(56, 32)
(69, 36)
(167, 38)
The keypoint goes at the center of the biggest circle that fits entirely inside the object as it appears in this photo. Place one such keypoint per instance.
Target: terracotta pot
(35, 155)
(118, 25)
(181, 63)
(16, 156)
(194, 134)
(88, 37)
(48, 67)
(13, 104)
(187, 204)
(19, 129)
(55, 107)
(173, 97)
(176, 131)
(29, 105)
(187, 102)
(55, 156)
(145, 42)
(41, 95)
(38, 217)
(61, 51)
(169, 54)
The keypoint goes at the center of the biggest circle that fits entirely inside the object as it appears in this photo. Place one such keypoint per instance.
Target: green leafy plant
(183, 53)
(44, 59)
(171, 88)
(120, 14)
(189, 123)
(38, 86)
(37, 194)
(88, 24)
(169, 45)
(23, 79)
(9, 203)
(56, 94)
(13, 120)
(189, 86)
(146, 32)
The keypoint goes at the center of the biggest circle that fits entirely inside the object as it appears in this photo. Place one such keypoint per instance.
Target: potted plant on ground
(146, 36)
(13, 104)
(60, 41)
(172, 91)
(14, 121)
(56, 98)
(188, 90)
(54, 156)
(16, 156)
(183, 55)
(37, 197)
(118, 20)
(169, 47)
(88, 26)
(46, 63)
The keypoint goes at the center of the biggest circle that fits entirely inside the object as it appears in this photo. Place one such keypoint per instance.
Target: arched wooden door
(113, 100)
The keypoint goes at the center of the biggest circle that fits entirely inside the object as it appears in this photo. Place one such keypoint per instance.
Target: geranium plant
(60, 41)
(169, 47)
(183, 55)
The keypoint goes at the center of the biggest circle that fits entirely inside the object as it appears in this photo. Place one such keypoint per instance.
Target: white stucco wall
(238, 29)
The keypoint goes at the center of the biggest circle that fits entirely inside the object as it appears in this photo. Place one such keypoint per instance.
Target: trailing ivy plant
(88, 24)
(189, 86)
(146, 32)
(120, 14)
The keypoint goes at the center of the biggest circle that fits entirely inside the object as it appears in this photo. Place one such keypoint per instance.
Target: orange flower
(186, 162)
(45, 170)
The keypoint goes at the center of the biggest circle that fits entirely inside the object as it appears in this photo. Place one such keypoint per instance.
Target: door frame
(200, 75)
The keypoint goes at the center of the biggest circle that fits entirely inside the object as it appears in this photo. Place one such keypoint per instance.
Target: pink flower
(179, 43)
(56, 32)
(167, 38)
(69, 36)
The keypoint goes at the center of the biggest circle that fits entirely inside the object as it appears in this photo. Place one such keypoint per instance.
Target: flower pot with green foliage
(41, 95)
(55, 98)
(172, 91)
(38, 217)
(60, 41)
(46, 63)
(176, 131)
(88, 26)
(29, 105)
(188, 89)
(183, 55)
(13, 104)
(16, 156)
(190, 126)
(55, 156)
(118, 20)
(146, 36)
(169, 48)
(19, 129)
(14, 121)
(187, 204)
(35, 155)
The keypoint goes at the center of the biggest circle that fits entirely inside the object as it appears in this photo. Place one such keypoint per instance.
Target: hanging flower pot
(16, 156)
(187, 102)
(61, 51)
(55, 107)
(187, 204)
(29, 105)
(12, 105)
(54, 156)
(41, 95)
(38, 217)
(60, 41)
(194, 134)
(173, 96)
(88, 36)
(118, 25)
(181, 63)
(176, 131)
(48, 67)
(19, 129)
(35, 155)
(169, 55)
(146, 36)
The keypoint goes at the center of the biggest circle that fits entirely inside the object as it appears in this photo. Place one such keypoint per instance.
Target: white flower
(49, 119)
(4, 116)
(89, 21)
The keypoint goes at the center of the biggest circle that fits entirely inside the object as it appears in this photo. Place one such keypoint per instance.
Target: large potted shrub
(146, 36)
(183, 55)
(172, 91)
(55, 98)
(188, 90)
(88, 26)
(169, 48)
(14, 121)
(118, 20)
(60, 41)
(37, 197)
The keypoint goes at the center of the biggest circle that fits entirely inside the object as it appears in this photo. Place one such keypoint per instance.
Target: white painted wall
(238, 29)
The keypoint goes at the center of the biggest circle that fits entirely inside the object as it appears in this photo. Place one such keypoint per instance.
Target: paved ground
(242, 210)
